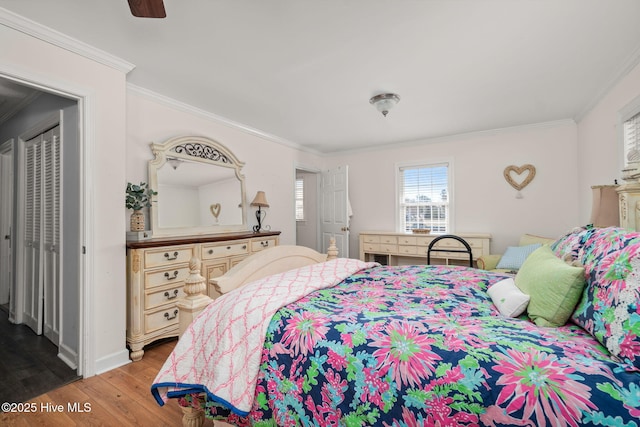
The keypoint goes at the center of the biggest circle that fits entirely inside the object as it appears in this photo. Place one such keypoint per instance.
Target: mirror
(200, 188)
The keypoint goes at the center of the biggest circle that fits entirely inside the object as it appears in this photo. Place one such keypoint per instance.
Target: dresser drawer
(166, 276)
(368, 238)
(167, 256)
(240, 247)
(162, 296)
(258, 245)
(155, 320)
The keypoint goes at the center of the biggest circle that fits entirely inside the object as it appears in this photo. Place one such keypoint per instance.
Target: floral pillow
(569, 245)
(610, 305)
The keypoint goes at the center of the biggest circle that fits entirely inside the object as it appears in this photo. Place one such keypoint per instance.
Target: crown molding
(49, 35)
(190, 109)
(628, 65)
(455, 137)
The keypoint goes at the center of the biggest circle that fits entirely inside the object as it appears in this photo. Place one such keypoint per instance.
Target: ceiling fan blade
(147, 8)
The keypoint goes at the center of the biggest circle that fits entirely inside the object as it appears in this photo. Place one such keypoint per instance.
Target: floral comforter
(425, 346)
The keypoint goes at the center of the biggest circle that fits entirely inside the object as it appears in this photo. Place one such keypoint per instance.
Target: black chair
(449, 236)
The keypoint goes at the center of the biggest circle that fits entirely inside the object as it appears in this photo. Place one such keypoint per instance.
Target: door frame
(87, 141)
(5, 148)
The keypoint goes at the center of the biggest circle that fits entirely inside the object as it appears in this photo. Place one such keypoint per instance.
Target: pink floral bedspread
(220, 352)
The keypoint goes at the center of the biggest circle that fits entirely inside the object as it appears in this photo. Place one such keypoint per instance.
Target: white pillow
(506, 296)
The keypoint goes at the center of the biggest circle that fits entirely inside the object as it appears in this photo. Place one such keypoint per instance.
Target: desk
(390, 248)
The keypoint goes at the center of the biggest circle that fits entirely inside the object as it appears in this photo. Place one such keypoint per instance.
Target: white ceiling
(304, 71)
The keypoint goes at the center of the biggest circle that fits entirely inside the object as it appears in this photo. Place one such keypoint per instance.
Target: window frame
(448, 161)
(627, 112)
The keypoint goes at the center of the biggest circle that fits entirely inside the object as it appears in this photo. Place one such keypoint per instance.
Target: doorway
(307, 212)
(6, 222)
(59, 322)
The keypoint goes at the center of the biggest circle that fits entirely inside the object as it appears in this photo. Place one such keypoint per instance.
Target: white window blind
(424, 198)
(632, 139)
(299, 199)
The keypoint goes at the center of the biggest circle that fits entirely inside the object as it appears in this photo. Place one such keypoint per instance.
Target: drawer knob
(169, 257)
(265, 243)
(244, 246)
(228, 247)
(169, 277)
(210, 251)
(169, 296)
(170, 317)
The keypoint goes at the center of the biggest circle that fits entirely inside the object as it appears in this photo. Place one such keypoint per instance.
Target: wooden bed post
(195, 300)
(332, 250)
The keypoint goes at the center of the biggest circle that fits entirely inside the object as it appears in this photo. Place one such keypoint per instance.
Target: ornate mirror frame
(200, 150)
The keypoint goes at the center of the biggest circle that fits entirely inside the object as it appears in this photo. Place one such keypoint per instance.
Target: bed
(348, 343)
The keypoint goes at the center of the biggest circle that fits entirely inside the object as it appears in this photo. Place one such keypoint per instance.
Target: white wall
(600, 156)
(484, 202)
(269, 166)
(104, 87)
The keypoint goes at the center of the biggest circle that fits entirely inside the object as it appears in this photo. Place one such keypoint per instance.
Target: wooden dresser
(391, 248)
(157, 268)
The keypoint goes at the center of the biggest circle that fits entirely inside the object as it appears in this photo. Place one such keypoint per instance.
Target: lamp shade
(260, 200)
(605, 211)
(384, 102)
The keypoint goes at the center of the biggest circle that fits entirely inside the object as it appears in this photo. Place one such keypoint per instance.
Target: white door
(51, 214)
(335, 209)
(6, 217)
(42, 234)
(33, 285)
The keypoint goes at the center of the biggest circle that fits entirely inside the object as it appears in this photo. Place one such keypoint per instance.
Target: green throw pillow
(554, 286)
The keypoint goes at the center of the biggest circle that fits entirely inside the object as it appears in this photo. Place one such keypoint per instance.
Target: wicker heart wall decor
(529, 172)
(215, 210)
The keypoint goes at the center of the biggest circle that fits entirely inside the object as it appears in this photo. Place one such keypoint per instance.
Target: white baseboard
(68, 356)
(112, 361)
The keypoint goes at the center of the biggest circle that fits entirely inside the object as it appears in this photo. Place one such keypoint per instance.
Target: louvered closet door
(51, 232)
(33, 284)
(42, 234)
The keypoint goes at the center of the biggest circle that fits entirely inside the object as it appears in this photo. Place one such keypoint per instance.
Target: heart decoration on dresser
(530, 171)
(215, 209)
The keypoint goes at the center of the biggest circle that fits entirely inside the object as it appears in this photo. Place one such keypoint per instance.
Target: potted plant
(138, 197)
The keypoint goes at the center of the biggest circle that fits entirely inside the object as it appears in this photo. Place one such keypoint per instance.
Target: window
(631, 135)
(424, 197)
(299, 199)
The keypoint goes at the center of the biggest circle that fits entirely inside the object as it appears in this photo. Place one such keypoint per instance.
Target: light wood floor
(120, 397)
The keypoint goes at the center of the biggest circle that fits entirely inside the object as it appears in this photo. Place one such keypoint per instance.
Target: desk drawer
(163, 296)
(448, 243)
(371, 247)
(241, 247)
(166, 276)
(388, 249)
(407, 240)
(407, 250)
(167, 256)
(168, 316)
(368, 238)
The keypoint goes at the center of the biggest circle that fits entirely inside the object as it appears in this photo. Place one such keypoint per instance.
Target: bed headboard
(265, 263)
